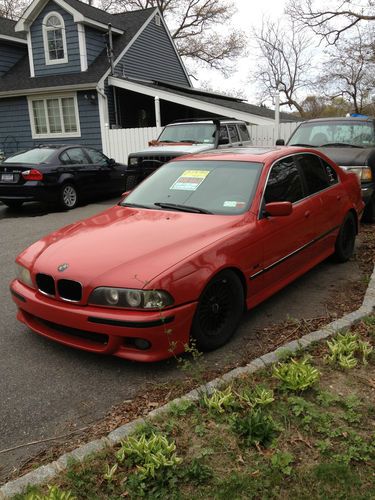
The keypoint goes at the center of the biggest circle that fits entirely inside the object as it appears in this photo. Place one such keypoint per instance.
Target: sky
(249, 15)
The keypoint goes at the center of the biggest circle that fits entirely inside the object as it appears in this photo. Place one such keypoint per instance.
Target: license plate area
(9, 178)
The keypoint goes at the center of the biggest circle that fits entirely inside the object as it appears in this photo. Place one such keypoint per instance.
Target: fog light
(142, 344)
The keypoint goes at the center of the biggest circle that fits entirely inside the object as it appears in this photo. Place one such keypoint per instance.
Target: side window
(233, 134)
(314, 173)
(244, 133)
(223, 133)
(97, 157)
(284, 182)
(73, 156)
(331, 173)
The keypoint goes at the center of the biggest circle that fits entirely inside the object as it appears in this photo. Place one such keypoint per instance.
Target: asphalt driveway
(48, 390)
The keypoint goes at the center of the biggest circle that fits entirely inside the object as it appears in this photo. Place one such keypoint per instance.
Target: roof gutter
(43, 90)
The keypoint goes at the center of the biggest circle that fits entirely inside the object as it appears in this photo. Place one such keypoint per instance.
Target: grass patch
(304, 428)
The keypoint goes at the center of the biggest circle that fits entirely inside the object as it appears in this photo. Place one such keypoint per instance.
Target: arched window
(54, 39)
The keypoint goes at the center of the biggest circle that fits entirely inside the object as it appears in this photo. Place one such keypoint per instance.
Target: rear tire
(345, 241)
(219, 311)
(369, 212)
(68, 197)
(13, 204)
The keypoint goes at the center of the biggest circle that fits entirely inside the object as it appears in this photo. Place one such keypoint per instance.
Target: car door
(286, 240)
(110, 175)
(76, 163)
(322, 184)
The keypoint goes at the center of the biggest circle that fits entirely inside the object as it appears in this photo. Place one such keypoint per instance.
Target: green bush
(255, 428)
(296, 375)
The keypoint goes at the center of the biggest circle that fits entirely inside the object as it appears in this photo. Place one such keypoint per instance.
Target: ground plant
(305, 428)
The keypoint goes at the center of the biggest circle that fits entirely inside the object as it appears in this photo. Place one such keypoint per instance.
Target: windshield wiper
(182, 208)
(301, 144)
(338, 144)
(135, 205)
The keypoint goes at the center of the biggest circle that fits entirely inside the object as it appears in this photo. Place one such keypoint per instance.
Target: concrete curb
(46, 473)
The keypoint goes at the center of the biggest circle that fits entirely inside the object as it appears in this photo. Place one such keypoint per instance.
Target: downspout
(110, 57)
(157, 112)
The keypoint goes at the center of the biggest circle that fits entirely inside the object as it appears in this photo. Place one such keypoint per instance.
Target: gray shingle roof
(95, 14)
(17, 78)
(7, 28)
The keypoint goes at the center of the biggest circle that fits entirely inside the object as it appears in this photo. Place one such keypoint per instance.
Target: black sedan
(60, 174)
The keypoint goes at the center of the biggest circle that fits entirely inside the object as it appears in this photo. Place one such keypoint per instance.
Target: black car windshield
(189, 132)
(214, 186)
(37, 155)
(335, 134)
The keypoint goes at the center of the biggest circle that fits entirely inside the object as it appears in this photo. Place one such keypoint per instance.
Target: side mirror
(280, 142)
(112, 162)
(278, 208)
(124, 195)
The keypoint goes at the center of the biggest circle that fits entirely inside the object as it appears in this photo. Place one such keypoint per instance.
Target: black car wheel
(219, 311)
(68, 196)
(13, 204)
(369, 212)
(345, 241)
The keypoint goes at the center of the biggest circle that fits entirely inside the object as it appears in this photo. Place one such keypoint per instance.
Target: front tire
(68, 197)
(369, 212)
(345, 241)
(219, 311)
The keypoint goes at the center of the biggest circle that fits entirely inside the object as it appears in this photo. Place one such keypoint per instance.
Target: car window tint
(284, 182)
(244, 133)
(233, 134)
(315, 174)
(73, 156)
(97, 157)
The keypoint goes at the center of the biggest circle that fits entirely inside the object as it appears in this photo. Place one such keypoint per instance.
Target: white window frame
(45, 39)
(48, 135)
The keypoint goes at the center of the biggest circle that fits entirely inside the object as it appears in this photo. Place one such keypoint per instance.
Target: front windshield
(37, 155)
(357, 134)
(214, 186)
(189, 132)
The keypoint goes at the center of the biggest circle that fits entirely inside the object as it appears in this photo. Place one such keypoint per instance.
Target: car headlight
(24, 276)
(364, 173)
(133, 161)
(130, 298)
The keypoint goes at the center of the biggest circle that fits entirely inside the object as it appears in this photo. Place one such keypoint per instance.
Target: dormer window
(54, 39)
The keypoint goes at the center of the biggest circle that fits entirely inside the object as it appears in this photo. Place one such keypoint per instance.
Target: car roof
(251, 154)
(341, 118)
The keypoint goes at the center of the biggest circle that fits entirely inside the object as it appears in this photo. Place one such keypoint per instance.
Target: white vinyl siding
(55, 116)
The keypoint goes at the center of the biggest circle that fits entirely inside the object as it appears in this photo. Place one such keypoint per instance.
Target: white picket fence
(119, 143)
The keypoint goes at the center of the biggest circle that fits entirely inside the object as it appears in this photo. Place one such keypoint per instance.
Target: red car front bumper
(105, 330)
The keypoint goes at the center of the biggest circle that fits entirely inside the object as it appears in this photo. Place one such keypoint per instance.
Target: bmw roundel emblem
(62, 267)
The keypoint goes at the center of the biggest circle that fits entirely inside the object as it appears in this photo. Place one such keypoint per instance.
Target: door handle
(307, 213)
(338, 197)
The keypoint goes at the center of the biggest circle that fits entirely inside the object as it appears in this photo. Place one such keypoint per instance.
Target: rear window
(36, 155)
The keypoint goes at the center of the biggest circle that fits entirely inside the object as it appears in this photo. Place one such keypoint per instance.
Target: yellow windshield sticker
(190, 180)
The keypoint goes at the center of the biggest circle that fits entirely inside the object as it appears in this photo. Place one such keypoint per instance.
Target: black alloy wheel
(219, 311)
(345, 241)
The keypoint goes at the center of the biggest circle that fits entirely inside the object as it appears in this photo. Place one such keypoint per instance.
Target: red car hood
(126, 247)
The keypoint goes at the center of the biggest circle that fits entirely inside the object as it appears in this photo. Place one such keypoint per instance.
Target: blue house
(69, 71)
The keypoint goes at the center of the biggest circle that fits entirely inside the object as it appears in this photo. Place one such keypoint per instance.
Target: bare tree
(12, 9)
(330, 22)
(350, 71)
(193, 25)
(284, 62)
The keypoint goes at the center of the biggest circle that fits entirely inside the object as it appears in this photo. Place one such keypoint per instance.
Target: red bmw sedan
(184, 254)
